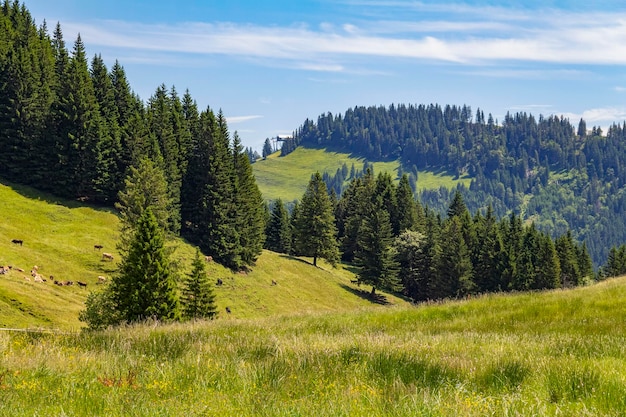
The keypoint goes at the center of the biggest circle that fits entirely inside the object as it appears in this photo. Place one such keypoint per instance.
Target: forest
(76, 129)
(547, 170)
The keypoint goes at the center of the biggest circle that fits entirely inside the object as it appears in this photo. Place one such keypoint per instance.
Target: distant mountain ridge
(554, 173)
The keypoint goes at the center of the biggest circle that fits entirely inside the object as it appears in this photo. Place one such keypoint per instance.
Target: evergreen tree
(278, 229)
(315, 232)
(108, 178)
(374, 257)
(249, 206)
(488, 254)
(410, 254)
(568, 260)
(145, 284)
(547, 267)
(454, 266)
(267, 148)
(407, 212)
(145, 187)
(198, 299)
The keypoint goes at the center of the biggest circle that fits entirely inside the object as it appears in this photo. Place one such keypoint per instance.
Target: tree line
(397, 244)
(564, 176)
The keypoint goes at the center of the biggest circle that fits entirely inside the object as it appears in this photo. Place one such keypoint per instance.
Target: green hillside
(59, 238)
(287, 177)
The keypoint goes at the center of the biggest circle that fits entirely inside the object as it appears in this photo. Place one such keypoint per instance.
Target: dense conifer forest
(76, 129)
(558, 175)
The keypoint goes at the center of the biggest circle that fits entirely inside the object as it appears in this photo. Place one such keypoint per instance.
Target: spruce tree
(145, 187)
(249, 206)
(315, 234)
(374, 256)
(198, 299)
(278, 229)
(406, 215)
(454, 266)
(145, 284)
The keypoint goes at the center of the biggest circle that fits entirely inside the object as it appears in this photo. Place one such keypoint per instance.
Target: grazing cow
(68, 283)
(107, 256)
(219, 281)
(81, 284)
(38, 278)
(59, 283)
(18, 241)
(208, 258)
(97, 247)
(101, 279)
(228, 310)
(274, 282)
(19, 269)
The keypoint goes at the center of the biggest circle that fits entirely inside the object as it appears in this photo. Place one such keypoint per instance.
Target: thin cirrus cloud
(553, 37)
(242, 119)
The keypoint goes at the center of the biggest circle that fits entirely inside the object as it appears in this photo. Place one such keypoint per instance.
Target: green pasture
(287, 177)
(559, 353)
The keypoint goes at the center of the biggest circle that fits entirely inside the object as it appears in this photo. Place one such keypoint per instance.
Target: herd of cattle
(38, 277)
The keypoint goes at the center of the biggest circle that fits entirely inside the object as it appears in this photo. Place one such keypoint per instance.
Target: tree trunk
(315, 260)
(373, 293)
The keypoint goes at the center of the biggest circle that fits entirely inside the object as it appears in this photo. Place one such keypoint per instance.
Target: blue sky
(269, 65)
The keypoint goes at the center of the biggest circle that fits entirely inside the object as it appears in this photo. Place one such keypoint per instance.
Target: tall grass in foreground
(559, 353)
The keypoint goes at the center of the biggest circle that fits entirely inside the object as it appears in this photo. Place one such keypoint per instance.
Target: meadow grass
(59, 237)
(558, 353)
(287, 177)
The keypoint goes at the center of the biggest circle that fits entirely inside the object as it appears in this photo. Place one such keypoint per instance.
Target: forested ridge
(561, 176)
(76, 129)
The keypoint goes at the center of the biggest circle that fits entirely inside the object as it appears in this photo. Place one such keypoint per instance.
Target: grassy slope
(287, 177)
(59, 237)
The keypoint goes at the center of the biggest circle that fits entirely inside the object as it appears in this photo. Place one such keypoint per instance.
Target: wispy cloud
(494, 35)
(241, 119)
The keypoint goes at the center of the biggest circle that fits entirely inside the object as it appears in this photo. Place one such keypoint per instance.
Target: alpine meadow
(398, 260)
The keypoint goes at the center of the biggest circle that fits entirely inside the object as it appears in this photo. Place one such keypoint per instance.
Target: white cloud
(494, 36)
(241, 119)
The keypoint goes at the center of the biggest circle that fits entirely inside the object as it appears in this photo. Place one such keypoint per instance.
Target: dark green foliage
(374, 256)
(278, 229)
(250, 209)
(198, 298)
(411, 256)
(267, 148)
(454, 266)
(145, 284)
(510, 163)
(315, 234)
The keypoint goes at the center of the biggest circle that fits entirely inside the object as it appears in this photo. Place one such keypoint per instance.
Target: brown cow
(97, 247)
(81, 284)
(107, 256)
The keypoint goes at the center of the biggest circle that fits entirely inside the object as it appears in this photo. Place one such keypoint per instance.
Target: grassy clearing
(558, 353)
(287, 177)
(59, 237)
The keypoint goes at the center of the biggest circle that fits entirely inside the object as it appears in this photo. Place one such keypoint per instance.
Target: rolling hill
(287, 177)
(59, 238)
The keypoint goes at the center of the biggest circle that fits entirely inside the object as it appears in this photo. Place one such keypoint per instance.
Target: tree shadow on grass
(367, 295)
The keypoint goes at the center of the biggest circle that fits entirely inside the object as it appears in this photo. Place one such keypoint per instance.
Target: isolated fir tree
(267, 148)
(198, 299)
(315, 234)
(145, 284)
